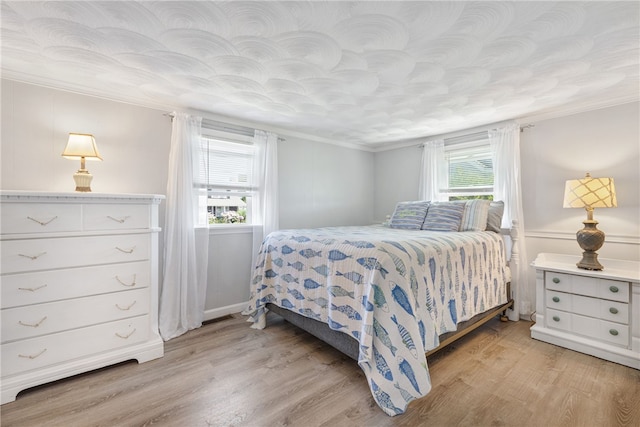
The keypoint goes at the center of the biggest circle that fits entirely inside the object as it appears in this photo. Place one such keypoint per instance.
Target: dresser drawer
(47, 286)
(34, 353)
(589, 286)
(115, 217)
(43, 254)
(18, 218)
(40, 319)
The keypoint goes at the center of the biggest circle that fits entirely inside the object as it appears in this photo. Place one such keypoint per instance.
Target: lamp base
(590, 240)
(83, 180)
(589, 261)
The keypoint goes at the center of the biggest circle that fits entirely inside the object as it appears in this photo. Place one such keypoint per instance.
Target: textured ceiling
(354, 72)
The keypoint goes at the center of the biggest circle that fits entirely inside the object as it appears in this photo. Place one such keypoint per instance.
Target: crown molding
(572, 109)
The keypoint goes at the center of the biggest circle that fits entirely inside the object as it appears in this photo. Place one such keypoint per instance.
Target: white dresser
(79, 284)
(594, 312)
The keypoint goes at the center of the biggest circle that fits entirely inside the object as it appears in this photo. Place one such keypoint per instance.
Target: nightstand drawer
(588, 306)
(18, 218)
(600, 330)
(588, 286)
(559, 300)
(41, 319)
(558, 319)
(557, 281)
(115, 217)
(613, 290)
(614, 311)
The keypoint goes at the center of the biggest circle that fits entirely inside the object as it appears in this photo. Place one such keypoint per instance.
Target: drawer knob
(614, 289)
(555, 299)
(613, 310)
(120, 220)
(43, 222)
(613, 332)
(555, 280)
(556, 318)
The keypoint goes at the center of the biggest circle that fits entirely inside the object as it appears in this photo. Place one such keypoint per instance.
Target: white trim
(571, 110)
(215, 313)
(563, 235)
(231, 229)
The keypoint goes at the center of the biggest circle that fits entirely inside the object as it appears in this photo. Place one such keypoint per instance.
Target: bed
(387, 295)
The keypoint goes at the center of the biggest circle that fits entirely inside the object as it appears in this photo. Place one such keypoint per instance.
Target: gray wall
(319, 184)
(604, 142)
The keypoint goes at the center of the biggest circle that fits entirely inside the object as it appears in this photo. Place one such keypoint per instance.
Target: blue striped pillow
(445, 216)
(409, 215)
(475, 215)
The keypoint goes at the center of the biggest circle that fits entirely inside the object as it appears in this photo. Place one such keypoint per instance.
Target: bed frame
(349, 345)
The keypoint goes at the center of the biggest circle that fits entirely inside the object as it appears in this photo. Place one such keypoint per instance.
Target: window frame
(204, 191)
(478, 146)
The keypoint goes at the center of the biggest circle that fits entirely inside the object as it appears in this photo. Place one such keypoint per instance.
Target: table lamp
(83, 146)
(589, 193)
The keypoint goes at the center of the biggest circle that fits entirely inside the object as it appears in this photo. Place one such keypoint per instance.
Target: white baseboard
(214, 313)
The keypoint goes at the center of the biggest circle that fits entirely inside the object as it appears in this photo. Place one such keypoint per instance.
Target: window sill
(228, 229)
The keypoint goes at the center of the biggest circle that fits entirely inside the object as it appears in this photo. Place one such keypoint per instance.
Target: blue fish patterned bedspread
(393, 290)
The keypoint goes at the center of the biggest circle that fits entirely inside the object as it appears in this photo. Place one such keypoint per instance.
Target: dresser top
(615, 269)
(77, 197)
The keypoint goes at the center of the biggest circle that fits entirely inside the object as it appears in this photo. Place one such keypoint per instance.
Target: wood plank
(226, 373)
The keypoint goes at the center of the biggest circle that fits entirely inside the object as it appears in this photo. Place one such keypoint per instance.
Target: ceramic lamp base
(590, 240)
(83, 180)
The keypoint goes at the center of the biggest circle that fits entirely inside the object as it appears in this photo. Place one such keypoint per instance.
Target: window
(224, 181)
(468, 170)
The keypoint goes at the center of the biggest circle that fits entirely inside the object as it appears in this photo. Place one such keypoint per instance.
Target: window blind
(224, 168)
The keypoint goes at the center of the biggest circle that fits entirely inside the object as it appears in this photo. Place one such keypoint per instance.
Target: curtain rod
(475, 135)
(226, 127)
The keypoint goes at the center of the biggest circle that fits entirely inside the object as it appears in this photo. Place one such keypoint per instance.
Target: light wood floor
(226, 374)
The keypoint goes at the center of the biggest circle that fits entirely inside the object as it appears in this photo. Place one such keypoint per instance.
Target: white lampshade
(81, 145)
(590, 192)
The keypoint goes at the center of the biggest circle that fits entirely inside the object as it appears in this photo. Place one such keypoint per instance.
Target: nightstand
(593, 312)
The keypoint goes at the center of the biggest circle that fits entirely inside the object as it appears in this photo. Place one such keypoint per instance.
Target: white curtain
(505, 148)
(431, 176)
(265, 174)
(184, 286)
